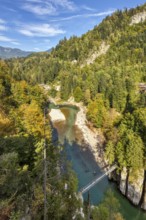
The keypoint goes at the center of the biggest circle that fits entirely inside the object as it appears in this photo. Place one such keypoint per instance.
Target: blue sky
(37, 25)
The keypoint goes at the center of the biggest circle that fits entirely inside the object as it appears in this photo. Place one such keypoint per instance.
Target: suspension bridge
(96, 180)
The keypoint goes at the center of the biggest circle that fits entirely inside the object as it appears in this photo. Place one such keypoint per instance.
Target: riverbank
(90, 137)
(83, 155)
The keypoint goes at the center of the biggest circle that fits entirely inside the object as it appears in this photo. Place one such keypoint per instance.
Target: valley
(68, 112)
(85, 162)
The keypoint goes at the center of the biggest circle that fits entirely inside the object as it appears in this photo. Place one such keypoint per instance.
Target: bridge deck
(95, 181)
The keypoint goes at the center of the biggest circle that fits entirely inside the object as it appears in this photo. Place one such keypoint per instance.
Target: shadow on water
(86, 169)
(55, 136)
(85, 166)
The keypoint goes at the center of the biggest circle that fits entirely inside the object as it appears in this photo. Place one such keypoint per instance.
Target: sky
(37, 25)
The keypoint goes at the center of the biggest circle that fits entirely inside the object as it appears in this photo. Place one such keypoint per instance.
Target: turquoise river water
(85, 166)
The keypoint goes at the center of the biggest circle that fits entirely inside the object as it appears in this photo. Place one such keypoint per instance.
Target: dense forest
(22, 141)
(111, 81)
(109, 86)
(21, 156)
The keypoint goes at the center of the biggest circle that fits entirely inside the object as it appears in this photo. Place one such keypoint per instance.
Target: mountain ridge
(8, 52)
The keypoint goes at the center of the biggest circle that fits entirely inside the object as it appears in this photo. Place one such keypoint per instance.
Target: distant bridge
(96, 180)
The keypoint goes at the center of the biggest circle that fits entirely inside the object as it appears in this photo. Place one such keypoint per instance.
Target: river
(85, 166)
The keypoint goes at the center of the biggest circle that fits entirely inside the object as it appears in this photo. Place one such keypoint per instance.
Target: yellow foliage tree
(33, 120)
(5, 124)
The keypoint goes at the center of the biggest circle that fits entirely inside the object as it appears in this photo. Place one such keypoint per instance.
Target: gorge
(95, 87)
(87, 163)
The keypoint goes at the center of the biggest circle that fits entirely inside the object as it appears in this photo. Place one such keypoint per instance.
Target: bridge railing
(96, 180)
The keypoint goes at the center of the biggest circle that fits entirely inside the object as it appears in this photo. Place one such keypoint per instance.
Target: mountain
(119, 38)
(49, 50)
(7, 52)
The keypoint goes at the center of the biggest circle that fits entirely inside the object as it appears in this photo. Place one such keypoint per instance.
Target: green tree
(110, 152)
(108, 209)
(97, 111)
(78, 94)
(134, 151)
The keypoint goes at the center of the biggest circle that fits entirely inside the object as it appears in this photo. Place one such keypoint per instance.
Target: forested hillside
(21, 156)
(110, 81)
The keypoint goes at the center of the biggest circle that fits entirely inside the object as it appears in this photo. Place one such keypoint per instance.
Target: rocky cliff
(133, 186)
(143, 205)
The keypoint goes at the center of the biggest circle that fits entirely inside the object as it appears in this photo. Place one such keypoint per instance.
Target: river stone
(135, 187)
(123, 181)
(56, 115)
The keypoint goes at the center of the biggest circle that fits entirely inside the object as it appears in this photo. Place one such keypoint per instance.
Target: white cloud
(36, 48)
(40, 9)
(40, 30)
(2, 21)
(36, 1)
(9, 9)
(3, 28)
(48, 7)
(88, 8)
(2, 25)
(9, 40)
(100, 14)
(68, 18)
(6, 39)
(15, 43)
(65, 4)
(85, 15)
(47, 41)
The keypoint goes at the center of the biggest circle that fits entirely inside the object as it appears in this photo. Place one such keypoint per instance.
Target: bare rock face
(140, 17)
(102, 50)
(144, 201)
(92, 57)
(123, 181)
(135, 186)
(143, 206)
